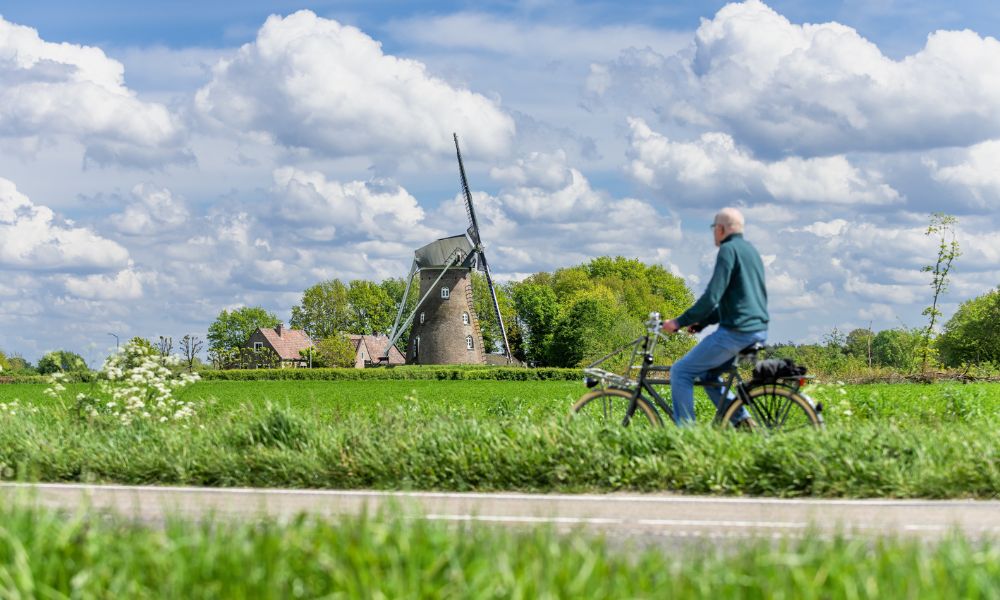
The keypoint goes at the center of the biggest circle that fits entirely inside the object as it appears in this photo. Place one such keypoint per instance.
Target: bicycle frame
(645, 346)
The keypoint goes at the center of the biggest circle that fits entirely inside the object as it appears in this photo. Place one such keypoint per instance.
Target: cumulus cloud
(153, 210)
(548, 215)
(714, 164)
(50, 90)
(818, 89)
(328, 210)
(125, 285)
(531, 39)
(314, 83)
(978, 171)
(30, 238)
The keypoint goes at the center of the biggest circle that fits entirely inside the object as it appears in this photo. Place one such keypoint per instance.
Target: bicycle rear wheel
(775, 407)
(610, 405)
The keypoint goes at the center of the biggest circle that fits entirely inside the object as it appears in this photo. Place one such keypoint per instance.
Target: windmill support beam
(399, 313)
(496, 306)
(398, 332)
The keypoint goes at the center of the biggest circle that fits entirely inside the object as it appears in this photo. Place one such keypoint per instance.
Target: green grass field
(907, 404)
(931, 441)
(48, 555)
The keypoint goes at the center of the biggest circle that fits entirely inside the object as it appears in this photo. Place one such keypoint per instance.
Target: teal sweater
(735, 297)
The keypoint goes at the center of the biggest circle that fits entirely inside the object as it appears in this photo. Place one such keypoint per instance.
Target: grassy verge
(939, 441)
(902, 404)
(410, 448)
(43, 554)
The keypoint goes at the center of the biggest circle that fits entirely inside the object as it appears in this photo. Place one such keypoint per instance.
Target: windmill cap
(437, 253)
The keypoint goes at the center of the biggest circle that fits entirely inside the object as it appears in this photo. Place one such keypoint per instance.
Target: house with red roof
(288, 344)
(368, 349)
(291, 344)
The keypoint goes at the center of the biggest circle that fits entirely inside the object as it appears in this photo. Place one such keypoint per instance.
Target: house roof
(288, 343)
(375, 346)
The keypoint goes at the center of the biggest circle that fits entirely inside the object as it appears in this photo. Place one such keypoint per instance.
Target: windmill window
(445, 293)
(465, 318)
(416, 347)
(421, 318)
(258, 345)
(468, 342)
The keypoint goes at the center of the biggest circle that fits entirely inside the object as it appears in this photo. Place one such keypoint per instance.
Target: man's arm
(706, 310)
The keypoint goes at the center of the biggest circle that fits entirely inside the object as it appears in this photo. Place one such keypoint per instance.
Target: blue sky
(162, 161)
(898, 25)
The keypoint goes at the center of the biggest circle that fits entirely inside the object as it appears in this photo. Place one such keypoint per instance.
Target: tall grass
(275, 446)
(47, 555)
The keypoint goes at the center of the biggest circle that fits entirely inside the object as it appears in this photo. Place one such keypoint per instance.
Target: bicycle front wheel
(610, 405)
(775, 407)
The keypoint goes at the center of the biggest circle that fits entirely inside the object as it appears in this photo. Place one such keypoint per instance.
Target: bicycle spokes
(778, 408)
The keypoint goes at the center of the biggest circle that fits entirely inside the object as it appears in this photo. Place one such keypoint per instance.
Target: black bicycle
(776, 404)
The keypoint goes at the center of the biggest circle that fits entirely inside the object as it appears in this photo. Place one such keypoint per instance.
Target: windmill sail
(470, 210)
(480, 255)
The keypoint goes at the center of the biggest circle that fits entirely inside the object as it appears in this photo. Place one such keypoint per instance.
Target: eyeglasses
(713, 225)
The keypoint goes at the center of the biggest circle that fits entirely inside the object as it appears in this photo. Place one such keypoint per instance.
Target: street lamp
(116, 340)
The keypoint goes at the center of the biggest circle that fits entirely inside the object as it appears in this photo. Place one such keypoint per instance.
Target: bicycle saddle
(752, 349)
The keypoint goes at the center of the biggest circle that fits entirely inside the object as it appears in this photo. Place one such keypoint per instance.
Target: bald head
(731, 219)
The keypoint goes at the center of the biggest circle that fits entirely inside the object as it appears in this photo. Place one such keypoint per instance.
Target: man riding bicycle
(736, 299)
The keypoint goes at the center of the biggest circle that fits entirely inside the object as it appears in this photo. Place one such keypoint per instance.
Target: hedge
(409, 372)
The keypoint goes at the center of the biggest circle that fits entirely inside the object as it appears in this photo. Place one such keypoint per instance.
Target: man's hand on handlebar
(670, 326)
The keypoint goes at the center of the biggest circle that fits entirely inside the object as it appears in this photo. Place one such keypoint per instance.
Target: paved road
(620, 515)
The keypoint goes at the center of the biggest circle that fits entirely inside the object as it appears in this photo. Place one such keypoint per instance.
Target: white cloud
(542, 186)
(547, 215)
(818, 89)
(49, 90)
(125, 285)
(532, 39)
(328, 210)
(314, 83)
(154, 210)
(827, 229)
(31, 239)
(714, 164)
(979, 171)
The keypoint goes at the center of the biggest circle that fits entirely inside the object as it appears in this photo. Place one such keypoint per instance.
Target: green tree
(972, 335)
(62, 360)
(335, 351)
(18, 364)
(487, 315)
(896, 348)
(324, 310)
(538, 310)
(4, 363)
(231, 329)
(583, 333)
(548, 307)
(371, 308)
(943, 227)
(858, 344)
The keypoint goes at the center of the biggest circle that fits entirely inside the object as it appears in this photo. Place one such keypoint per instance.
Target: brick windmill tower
(445, 326)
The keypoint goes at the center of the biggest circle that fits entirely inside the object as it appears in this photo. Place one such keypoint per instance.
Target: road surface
(618, 515)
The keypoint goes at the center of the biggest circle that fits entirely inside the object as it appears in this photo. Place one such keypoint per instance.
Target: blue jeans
(712, 354)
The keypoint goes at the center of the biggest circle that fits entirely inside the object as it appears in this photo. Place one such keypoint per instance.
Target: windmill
(445, 327)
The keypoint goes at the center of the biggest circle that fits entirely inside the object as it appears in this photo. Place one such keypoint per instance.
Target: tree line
(563, 318)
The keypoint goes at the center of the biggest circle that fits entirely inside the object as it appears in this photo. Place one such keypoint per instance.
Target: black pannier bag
(773, 369)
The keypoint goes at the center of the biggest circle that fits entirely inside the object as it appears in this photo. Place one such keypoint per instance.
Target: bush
(335, 351)
(409, 372)
(62, 361)
(972, 335)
